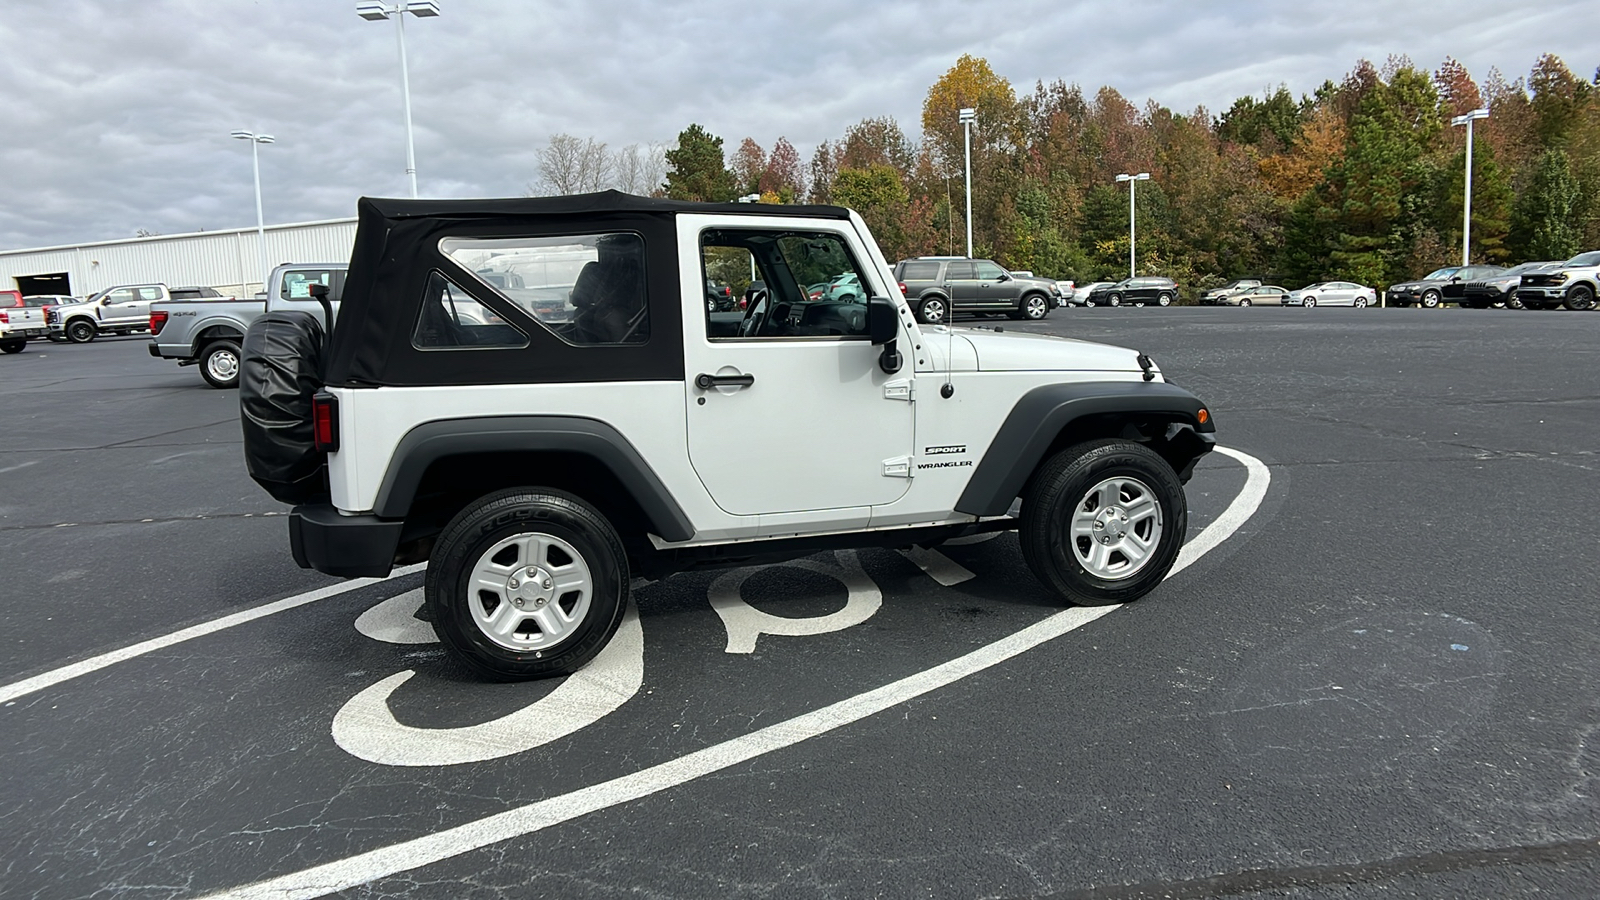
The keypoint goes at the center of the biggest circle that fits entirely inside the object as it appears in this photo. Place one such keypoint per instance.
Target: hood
(1022, 352)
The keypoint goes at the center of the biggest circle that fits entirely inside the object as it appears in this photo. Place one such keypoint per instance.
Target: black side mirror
(319, 293)
(883, 324)
(1004, 276)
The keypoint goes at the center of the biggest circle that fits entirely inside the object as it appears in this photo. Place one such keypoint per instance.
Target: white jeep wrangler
(540, 444)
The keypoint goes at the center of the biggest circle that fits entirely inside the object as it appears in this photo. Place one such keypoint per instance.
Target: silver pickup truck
(18, 325)
(206, 333)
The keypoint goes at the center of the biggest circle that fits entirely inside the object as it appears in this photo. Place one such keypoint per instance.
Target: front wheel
(1114, 300)
(1244, 302)
(1579, 298)
(1102, 522)
(1034, 307)
(1308, 302)
(932, 311)
(1513, 303)
(13, 346)
(80, 331)
(219, 364)
(527, 583)
(1430, 299)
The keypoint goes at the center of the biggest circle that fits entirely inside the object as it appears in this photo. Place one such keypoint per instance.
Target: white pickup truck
(206, 332)
(20, 324)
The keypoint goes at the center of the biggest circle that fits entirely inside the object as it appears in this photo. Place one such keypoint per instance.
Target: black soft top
(397, 248)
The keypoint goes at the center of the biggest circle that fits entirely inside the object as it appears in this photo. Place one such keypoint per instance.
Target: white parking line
(96, 663)
(346, 873)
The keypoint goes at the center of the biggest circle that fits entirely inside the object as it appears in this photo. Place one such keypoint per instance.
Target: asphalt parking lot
(1378, 678)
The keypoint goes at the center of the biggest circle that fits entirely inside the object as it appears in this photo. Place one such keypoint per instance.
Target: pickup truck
(120, 309)
(18, 324)
(206, 332)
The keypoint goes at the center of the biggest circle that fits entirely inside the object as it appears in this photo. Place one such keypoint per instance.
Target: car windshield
(1439, 274)
(1592, 258)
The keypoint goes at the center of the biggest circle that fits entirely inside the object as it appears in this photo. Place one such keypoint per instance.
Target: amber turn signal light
(1203, 416)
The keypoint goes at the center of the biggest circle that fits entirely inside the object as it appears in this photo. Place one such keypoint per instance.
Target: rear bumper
(345, 546)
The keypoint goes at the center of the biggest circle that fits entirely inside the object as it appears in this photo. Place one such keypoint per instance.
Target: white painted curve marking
(394, 621)
(365, 727)
(745, 624)
(96, 663)
(937, 566)
(343, 874)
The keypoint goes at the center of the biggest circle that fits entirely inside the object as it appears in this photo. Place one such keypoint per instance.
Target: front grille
(1540, 281)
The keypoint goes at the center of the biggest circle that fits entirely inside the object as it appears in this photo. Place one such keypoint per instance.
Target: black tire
(1430, 299)
(505, 514)
(1579, 298)
(711, 306)
(81, 331)
(219, 364)
(1245, 302)
(1163, 299)
(13, 346)
(1054, 494)
(1114, 300)
(1514, 303)
(933, 310)
(1034, 307)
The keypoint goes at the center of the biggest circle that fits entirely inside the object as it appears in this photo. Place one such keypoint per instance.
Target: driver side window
(782, 285)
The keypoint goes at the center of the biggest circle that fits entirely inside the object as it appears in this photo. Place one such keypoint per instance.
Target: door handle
(706, 382)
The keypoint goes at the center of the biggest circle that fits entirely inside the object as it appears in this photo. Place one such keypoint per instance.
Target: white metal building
(226, 260)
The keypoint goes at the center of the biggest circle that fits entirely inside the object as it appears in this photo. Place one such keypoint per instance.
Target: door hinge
(899, 467)
(901, 389)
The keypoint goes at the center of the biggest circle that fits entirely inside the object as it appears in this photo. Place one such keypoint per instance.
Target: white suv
(539, 445)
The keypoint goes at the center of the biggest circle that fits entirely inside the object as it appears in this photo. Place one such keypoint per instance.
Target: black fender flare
(1046, 412)
(431, 441)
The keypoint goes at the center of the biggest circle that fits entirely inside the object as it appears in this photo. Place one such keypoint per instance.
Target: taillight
(158, 321)
(325, 422)
(902, 287)
(4, 318)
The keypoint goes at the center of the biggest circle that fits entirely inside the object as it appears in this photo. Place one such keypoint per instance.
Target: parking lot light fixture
(1132, 181)
(261, 223)
(966, 117)
(377, 12)
(1466, 205)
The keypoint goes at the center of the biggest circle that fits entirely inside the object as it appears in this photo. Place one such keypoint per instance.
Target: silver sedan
(1332, 293)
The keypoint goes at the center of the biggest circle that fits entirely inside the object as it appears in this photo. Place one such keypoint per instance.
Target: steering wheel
(755, 315)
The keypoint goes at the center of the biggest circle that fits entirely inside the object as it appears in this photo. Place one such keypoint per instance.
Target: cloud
(117, 115)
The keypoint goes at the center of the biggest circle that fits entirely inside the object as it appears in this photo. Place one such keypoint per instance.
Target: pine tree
(1545, 224)
(696, 170)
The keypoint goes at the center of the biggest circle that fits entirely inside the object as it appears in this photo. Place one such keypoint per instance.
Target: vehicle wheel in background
(932, 310)
(1580, 297)
(1245, 302)
(1114, 300)
(1163, 299)
(219, 364)
(12, 346)
(1361, 303)
(848, 298)
(80, 331)
(1034, 307)
(527, 583)
(711, 306)
(1430, 299)
(1308, 302)
(1102, 522)
(1514, 303)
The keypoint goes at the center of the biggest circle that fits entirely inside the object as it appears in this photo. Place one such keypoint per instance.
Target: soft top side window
(451, 319)
(587, 289)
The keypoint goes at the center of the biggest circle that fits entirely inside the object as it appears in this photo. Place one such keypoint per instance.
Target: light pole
(261, 223)
(1132, 181)
(377, 12)
(1466, 213)
(966, 117)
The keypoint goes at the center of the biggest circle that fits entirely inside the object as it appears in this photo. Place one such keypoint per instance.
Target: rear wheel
(1163, 299)
(527, 583)
(1361, 303)
(1102, 522)
(219, 364)
(932, 311)
(1580, 297)
(13, 346)
(80, 331)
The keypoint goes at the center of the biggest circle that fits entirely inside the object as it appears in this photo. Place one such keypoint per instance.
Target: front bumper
(345, 546)
(1542, 294)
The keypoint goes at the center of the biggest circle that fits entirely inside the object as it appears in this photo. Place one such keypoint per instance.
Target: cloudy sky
(116, 114)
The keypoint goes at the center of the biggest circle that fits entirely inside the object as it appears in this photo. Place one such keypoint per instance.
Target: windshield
(1440, 274)
(1592, 258)
(1525, 267)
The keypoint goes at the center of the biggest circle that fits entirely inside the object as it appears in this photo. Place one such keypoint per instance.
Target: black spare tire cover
(279, 370)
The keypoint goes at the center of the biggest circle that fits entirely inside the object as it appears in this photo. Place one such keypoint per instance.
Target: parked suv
(1501, 289)
(537, 465)
(1574, 284)
(937, 286)
(1145, 290)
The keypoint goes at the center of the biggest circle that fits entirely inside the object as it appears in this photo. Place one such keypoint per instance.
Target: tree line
(1361, 180)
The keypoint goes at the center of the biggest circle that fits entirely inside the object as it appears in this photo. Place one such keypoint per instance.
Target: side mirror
(319, 293)
(883, 324)
(1004, 276)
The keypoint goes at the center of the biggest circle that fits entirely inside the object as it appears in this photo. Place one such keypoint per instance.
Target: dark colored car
(197, 293)
(937, 286)
(1146, 290)
(1446, 285)
(1501, 290)
(719, 297)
